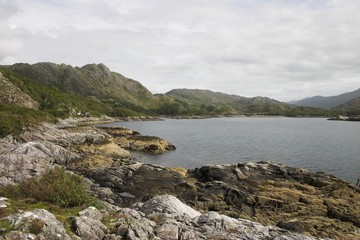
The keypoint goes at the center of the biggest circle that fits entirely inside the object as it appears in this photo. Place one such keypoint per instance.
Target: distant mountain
(63, 90)
(221, 103)
(328, 102)
(351, 107)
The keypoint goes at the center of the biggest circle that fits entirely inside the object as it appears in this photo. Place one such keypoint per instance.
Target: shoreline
(265, 192)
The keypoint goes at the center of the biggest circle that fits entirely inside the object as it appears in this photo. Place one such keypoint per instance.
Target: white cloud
(281, 49)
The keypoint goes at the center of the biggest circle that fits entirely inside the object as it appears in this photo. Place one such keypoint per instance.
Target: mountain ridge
(329, 101)
(116, 95)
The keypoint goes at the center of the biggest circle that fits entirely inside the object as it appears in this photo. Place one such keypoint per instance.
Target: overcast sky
(283, 49)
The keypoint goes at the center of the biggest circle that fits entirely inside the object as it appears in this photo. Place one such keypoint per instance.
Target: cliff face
(269, 193)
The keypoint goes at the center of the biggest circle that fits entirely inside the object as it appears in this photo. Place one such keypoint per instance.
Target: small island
(345, 118)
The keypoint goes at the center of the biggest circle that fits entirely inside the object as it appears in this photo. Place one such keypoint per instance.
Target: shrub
(36, 226)
(58, 187)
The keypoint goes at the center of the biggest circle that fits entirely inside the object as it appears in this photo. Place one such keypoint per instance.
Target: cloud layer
(284, 49)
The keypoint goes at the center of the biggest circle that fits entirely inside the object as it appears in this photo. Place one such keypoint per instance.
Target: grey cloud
(8, 8)
(282, 49)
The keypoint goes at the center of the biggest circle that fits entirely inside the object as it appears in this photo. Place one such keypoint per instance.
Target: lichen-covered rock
(119, 131)
(154, 145)
(38, 222)
(269, 193)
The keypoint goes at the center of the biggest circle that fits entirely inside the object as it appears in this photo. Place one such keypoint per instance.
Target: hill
(90, 80)
(328, 102)
(351, 108)
(221, 103)
(43, 91)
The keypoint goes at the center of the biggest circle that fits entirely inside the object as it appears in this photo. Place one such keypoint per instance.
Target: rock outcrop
(265, 192)
(79, 148)
(219, 197)
(133, 141)
(37, 223)
(162, 217)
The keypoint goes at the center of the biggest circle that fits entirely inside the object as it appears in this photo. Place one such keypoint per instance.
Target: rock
(25, 160)
(265, 192)
(91, 212)
(3, 203)
(168, 204)
(140, 180)
(38, 222)
(175, 220)
(89, 228)
(154, 145)
(131, 224)
(119, 131)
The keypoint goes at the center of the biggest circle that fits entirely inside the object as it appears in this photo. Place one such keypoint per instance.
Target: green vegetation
(62, 193)
(13, 118)
(6, 226)
(36, 226)
(56, 187)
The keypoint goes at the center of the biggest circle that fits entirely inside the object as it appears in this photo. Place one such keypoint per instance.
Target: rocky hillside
(329, 102)
(11, 94)
(89, 80)
(234, 201)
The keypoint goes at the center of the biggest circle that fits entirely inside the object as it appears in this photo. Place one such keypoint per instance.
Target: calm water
(314, 144)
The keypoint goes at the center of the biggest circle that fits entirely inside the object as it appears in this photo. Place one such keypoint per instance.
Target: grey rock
(91, 212)
(4, 203)
(89, 229)
(43, 224)
(168, 204)
(16, 235)
(132, 224)
(176, 220)
(25, 160)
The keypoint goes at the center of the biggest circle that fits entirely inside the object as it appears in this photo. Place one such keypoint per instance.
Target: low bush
(56, 186)
(59, 187)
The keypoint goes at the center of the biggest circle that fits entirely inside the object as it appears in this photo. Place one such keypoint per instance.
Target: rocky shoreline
(212, 201)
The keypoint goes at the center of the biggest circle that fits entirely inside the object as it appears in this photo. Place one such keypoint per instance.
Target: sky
(282, 49)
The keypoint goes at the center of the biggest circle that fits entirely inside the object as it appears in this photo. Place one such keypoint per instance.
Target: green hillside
(46, 91)
(350, 108)
(220, 103)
